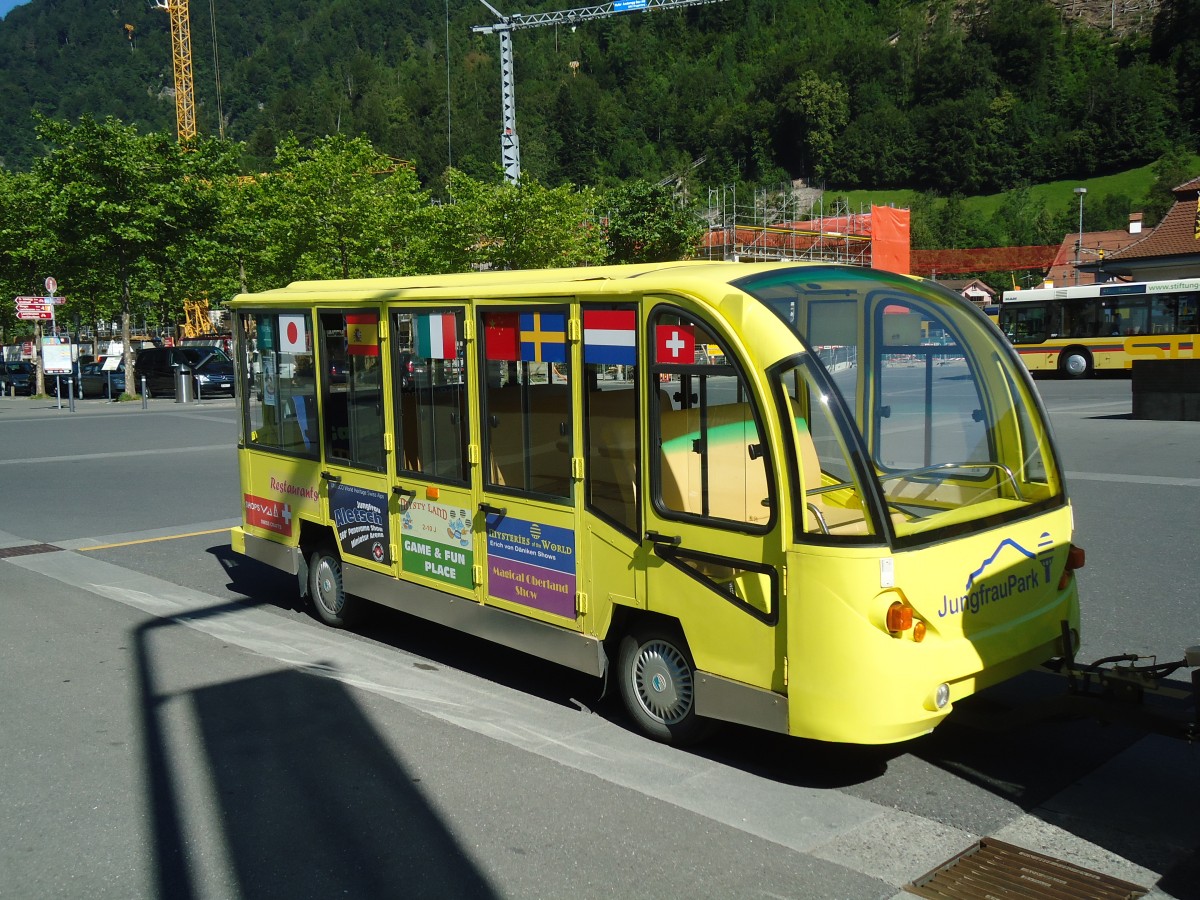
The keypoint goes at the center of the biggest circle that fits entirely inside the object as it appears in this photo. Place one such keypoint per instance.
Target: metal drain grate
(993, 869)
(27, 550)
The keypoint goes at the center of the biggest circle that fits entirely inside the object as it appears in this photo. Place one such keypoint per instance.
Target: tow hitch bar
(1126, 678)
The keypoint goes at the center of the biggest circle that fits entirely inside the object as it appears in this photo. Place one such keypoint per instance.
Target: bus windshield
(947, 430)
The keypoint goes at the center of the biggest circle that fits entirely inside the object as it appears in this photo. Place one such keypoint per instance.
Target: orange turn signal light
(1075, 560)
(899, 617)
(918, 631)
(432, 493)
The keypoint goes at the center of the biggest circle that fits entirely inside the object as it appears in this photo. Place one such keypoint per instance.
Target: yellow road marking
(169, 537)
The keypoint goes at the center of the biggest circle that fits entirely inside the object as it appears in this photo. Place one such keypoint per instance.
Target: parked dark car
(212, 370)
(55, 383)
(95, 382)
(17, 378)
(412, 371)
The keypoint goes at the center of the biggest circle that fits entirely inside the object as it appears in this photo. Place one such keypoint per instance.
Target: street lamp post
(1079, 245)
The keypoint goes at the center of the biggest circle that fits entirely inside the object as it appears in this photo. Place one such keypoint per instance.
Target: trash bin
(183, 384)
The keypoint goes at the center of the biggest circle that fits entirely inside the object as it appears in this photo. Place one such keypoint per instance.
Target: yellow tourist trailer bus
(815, 499)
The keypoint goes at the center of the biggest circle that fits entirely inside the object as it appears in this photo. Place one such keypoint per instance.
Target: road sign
(33, 308)
(51, 284)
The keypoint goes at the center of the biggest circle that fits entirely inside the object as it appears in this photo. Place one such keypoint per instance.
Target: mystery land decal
(361, 519)
(437, 542)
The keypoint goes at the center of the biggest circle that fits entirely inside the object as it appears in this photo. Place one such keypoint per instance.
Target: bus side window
(430, 389)
(611, 416)
(281, 394)
(352, 390)
(712, 458)
(527, 401)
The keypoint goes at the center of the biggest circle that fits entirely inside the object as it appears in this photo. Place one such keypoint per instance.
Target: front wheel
(1074, 364)
(329, 597)
(658, 686)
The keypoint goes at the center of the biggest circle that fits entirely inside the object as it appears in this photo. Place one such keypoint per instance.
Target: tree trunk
(39, 387)
(131, 385)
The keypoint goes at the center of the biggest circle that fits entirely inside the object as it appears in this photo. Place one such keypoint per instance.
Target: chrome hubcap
(328, 594)
(663, 681)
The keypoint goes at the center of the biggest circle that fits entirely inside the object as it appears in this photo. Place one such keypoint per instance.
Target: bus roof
(513, 283)
(1102, 289)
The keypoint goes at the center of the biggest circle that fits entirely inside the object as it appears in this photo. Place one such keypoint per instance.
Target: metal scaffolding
(790, 222)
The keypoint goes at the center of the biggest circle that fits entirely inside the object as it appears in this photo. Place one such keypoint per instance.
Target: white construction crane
(510, 147)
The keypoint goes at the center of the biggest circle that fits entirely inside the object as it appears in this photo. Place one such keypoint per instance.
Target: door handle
(498, 511)
(410, 493)
(331, 478)
(668, 540)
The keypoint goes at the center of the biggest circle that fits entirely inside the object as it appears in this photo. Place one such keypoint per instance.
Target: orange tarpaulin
(889, 239)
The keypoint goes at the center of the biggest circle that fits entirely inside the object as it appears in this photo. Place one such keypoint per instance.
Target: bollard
(71, 393)
(145, 405)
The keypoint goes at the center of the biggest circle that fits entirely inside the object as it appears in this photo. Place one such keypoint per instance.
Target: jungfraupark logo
(979, 593)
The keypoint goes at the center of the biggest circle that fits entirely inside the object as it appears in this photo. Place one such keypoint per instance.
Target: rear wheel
(329, 597)
(657, 680)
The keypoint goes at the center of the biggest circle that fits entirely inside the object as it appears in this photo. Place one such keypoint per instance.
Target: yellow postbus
(815, 499)
(1079, 330)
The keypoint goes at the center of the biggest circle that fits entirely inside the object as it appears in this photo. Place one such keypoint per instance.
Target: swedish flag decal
(543, 337)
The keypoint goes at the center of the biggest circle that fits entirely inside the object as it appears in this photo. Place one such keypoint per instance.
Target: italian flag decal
(436, 336)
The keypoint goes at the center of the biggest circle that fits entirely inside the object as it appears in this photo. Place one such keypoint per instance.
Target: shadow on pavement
(311, 801)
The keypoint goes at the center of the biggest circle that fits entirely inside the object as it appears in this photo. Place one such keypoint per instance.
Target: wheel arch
(312, 536)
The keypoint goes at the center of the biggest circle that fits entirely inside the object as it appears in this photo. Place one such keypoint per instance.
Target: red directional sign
(33, 308)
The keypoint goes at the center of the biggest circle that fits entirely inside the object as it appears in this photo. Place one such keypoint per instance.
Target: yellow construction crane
(181, 57)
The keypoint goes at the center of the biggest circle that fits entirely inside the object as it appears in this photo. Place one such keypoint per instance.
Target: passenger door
(354, 484)
(713, 534)
(528, 502)
(433, 508)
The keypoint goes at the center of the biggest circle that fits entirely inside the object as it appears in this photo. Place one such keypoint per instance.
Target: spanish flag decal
(362, 334)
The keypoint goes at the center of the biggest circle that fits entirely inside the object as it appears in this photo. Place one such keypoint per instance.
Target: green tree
(505, 226)
(339, 209)
(1173, 169)
(117, 205)
(814, 112)
(646, 223)
(28, 249)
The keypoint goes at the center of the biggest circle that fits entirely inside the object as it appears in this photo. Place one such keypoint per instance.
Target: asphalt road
(175, 725)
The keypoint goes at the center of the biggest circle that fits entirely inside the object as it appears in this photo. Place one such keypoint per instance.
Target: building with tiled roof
(1171, 250)
(971, 289)
(1078, 263)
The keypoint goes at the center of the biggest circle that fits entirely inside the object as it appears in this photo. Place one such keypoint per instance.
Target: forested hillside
(946, 96)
